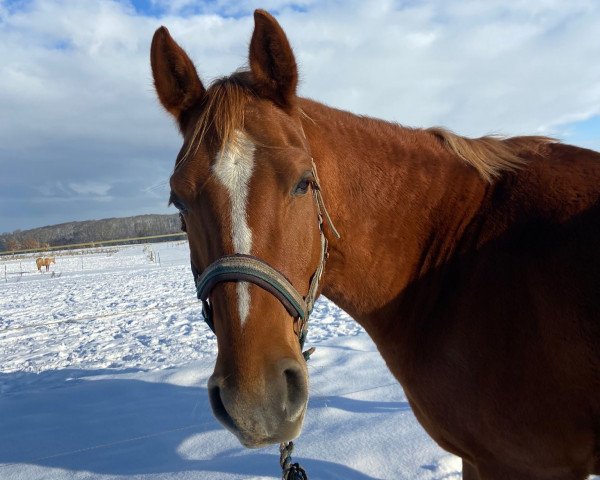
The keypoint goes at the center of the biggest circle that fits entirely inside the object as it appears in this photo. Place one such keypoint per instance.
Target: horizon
(19, 230)
(87, 138)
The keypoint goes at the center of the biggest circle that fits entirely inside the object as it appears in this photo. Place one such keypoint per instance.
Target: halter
(247, 268)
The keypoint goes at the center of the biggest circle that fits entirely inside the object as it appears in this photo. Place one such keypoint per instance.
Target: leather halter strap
(246, 268)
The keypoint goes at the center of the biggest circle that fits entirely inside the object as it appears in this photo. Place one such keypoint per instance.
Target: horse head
(246, 189)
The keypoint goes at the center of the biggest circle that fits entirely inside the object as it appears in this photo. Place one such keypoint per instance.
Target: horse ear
(272, 61)
(175, 78)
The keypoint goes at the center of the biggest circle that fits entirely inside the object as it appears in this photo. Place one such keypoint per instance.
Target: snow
(104, 365)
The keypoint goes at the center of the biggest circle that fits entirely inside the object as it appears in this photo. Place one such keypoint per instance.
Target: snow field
(103, 375)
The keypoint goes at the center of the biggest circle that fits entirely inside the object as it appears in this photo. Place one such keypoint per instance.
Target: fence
(118, 254)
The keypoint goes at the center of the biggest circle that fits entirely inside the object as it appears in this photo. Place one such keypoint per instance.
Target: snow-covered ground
(104, 362)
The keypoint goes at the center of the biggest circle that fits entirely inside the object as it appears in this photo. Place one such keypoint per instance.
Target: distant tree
(12, 244)
(30, 243)
(92, 231)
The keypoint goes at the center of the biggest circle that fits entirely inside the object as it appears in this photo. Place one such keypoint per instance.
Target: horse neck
(403, 205)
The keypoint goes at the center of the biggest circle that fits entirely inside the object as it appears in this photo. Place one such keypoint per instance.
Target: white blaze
(233, 168)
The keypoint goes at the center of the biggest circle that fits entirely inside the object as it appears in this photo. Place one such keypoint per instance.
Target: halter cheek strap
(246, 268)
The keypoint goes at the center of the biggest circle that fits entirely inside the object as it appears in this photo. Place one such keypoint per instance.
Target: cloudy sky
(82, 135)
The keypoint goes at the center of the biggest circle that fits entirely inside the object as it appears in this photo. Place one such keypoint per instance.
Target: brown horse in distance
(44, 262)
(473, 264)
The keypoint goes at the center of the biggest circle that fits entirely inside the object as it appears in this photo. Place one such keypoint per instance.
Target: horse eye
(178, 204)
(302, 186)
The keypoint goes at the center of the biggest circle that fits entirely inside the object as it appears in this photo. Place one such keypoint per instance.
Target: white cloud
(78, 104)
(512, 67)
(90, 188)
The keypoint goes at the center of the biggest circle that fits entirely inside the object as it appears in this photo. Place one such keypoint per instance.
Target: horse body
(473, 264)
(44, 262)
(480, 297)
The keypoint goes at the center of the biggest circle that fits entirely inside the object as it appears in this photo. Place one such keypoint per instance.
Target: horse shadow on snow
(78, 420)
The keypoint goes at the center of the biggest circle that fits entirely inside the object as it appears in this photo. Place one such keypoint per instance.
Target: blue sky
(82, 135)
(585, 133)
(230, 9)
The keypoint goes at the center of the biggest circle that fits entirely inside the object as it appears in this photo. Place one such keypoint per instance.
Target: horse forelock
(221, 114)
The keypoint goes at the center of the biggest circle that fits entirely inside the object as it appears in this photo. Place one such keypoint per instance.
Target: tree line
(90, 231)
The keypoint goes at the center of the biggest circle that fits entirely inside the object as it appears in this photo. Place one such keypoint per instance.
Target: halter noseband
(247, 268)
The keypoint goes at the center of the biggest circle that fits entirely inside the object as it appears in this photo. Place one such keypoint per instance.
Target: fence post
(158, 258)
(5, 276)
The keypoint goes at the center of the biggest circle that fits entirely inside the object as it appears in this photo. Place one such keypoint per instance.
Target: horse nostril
(296, 390)
(218, 407)
(294, 383)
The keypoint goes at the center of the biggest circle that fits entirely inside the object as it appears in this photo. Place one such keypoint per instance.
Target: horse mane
(490, 155)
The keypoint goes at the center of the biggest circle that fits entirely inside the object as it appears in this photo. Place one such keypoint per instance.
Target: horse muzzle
(264, 412)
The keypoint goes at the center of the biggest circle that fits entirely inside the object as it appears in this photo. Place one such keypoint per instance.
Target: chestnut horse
(473, 264)
(44, 262)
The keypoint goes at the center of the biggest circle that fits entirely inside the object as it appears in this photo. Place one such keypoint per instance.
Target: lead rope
(293, 471)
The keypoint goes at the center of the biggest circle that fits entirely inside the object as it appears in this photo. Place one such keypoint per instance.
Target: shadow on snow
(70, 420)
